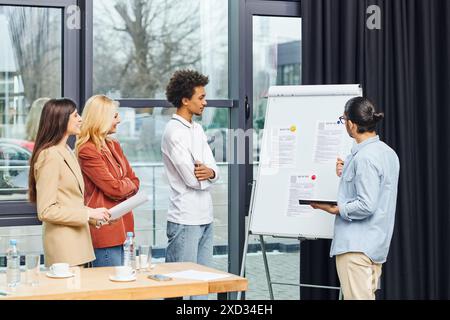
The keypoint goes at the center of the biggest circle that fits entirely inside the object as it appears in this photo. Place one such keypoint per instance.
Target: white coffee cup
(60, 269)
(124, 272)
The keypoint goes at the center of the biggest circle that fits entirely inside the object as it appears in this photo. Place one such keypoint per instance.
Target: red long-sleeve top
(109, 180)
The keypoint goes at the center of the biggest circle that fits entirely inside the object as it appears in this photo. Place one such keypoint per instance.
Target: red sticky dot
(313, 177)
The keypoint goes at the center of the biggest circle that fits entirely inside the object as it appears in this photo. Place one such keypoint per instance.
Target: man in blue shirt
(367, 196)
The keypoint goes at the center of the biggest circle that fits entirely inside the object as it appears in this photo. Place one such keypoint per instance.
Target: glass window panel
(140, 133)
(139, 44)
(276, 61)
(29, 239)
(30, 70)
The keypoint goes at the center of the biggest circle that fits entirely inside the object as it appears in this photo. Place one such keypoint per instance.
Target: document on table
(128, 205)
(197, 275)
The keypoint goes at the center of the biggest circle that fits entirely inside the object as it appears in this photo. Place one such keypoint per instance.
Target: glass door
(273, 57)
(276, 58)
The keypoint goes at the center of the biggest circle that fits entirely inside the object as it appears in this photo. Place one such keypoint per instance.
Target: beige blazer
(60, 206)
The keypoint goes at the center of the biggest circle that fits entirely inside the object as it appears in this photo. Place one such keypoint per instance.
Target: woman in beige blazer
(56, 186)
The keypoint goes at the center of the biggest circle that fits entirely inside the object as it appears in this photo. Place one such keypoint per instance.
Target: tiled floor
(283, 268)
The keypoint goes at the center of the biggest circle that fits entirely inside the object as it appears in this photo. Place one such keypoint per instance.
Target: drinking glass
(33, 264)
(145, 257)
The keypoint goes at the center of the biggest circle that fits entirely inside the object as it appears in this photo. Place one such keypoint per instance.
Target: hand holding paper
(99, 214)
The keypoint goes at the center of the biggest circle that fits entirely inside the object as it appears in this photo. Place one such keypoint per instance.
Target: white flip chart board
(302, 139)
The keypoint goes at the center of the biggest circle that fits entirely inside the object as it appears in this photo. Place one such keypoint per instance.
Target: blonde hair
(98, 115)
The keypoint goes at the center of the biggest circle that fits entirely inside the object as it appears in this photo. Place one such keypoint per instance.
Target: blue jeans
(108, 257)
(190, 244)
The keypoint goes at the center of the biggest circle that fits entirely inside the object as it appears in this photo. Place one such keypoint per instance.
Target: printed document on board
(283, 146)
(330, 142)
(300, 187)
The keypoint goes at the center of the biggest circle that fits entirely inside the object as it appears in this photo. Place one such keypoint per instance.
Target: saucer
(60, 276)
(115, 278)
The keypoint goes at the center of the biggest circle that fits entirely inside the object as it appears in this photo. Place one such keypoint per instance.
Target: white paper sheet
(328, 144)
(197, 275)
(284, 146)
(128, 205)
(300, 187)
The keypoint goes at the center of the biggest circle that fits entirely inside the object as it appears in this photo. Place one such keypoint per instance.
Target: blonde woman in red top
(108, 177)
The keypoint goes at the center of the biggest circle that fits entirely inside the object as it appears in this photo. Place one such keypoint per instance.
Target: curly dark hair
(183, 84)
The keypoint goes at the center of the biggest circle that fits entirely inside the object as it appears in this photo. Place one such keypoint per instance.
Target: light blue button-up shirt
(367, 199)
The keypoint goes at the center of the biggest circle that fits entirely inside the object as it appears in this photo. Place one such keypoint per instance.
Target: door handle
(247, 108)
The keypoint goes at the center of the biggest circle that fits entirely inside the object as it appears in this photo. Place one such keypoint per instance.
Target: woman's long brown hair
(52, 128)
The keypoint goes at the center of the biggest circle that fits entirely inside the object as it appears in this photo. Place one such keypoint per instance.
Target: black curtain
(404, 69)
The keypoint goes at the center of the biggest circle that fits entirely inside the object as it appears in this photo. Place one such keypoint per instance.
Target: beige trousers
(358, 276)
